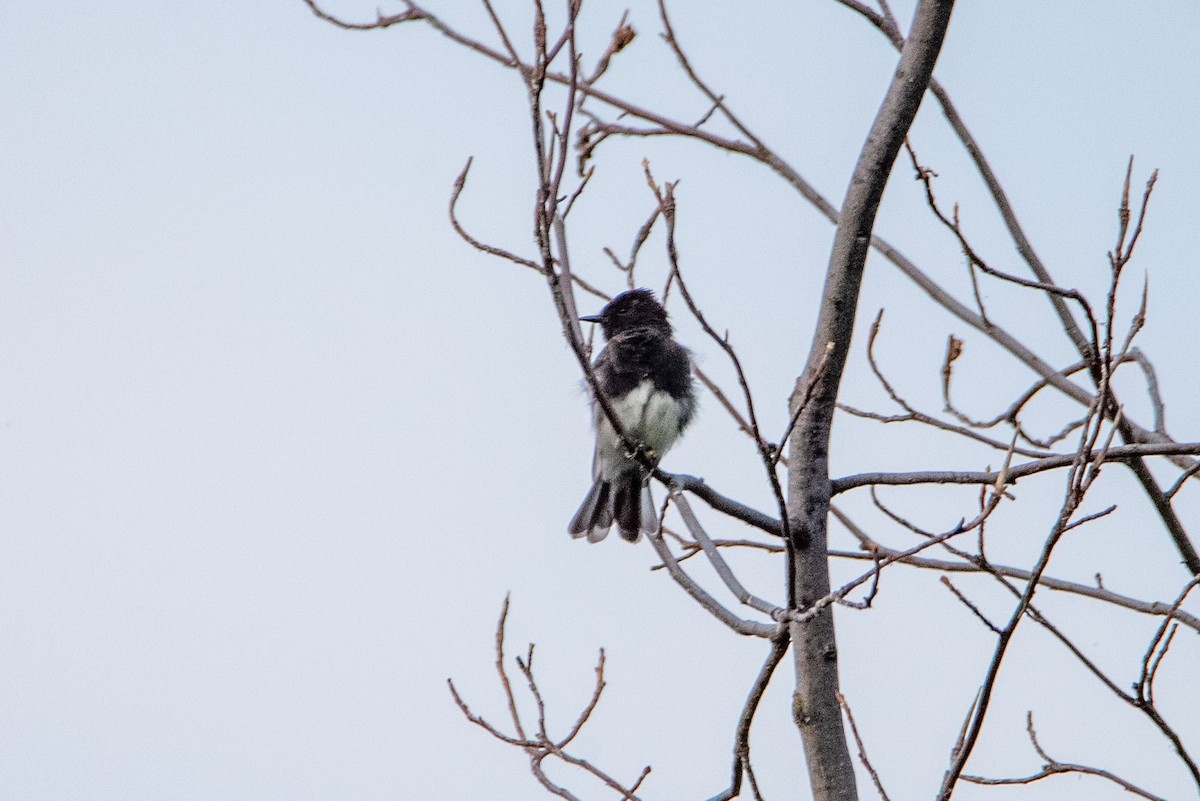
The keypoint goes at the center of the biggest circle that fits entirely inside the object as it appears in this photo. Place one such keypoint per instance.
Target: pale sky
(275, 443)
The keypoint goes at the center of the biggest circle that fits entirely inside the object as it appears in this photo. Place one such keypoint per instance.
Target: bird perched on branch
(646, 377)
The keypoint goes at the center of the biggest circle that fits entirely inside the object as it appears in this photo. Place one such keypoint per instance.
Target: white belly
(648, 415)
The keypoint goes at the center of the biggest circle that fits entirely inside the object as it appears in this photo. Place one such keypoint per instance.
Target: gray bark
(815, 702)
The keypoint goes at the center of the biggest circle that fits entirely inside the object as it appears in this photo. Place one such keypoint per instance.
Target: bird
(646, 377)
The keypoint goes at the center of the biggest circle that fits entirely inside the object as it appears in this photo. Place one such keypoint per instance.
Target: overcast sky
(275, 443)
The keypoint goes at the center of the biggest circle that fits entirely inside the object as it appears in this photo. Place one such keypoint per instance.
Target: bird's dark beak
(591, 318)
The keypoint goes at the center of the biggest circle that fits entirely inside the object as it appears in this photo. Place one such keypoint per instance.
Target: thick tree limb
(815, 707)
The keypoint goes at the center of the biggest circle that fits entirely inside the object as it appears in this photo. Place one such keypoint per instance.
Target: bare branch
(749, 628)
(1053, 767)
(874, 552)
(1179, 482)
(742, 424)
(721, 503)
(1154, 608)
(913, 415)
(587, 711)
(1157, 650)
(1078, 480)
(862, 750)
(514, 59)
(479, 721)
(543, 745)
(411, 15)
(967, 603)
(801, 400)
(741, 740)
(459, 183)
(1120, 453)
(717, 100)
(718, 562)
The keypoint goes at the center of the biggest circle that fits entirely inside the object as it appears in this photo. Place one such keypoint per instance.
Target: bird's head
(636, 308)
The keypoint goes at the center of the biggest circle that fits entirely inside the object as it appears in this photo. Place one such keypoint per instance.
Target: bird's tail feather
(595, 515)
(627, 502)
(633, 509)
(649, 512)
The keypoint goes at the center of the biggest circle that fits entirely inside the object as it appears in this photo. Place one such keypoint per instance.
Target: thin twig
(967, 603)
(862, 750)
(1053, 767)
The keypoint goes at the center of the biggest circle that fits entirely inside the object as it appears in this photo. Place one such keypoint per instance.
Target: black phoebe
(647, 378)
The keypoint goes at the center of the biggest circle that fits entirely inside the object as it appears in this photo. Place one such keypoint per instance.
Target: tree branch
(1121, 453)
(815, 707)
